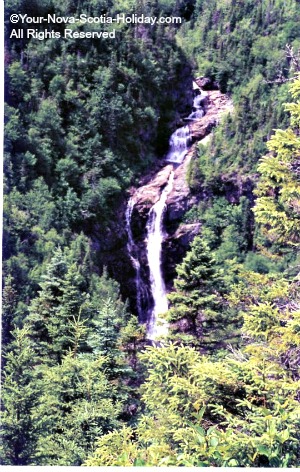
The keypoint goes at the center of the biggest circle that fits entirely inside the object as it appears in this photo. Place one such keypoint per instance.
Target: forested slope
(84, 120)
(237, 406)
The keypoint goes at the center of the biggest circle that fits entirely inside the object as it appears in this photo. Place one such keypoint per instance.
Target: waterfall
(198, 110)
(134, 258)
(179, 143)
(180, 140)
(156, 326)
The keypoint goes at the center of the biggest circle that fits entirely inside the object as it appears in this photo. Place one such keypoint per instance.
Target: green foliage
(59, 301)
(197, 306)
(201, 412)
(115, 448)
(243, 48)
(277, 205)
(76, 406)
(131, 339)
(68, 371)
(240, 407)
(72, 368)
(19, 398)
(226, 227)
(9, 303)
(71, 110)
(222, 38)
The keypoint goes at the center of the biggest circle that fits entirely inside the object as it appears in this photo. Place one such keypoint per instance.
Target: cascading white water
(156, 326)
(178, 146)
(134, 259)
(180, 140)
(198, 110)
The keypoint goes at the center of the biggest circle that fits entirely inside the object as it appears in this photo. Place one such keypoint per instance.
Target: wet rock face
(111, 250)
(206, 83)
(216, 104)
(146, 196)
(178, 200)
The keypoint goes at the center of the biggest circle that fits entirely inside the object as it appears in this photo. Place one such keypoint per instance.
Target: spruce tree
(19, 398)
(53, 311)
(197, 307)
(77, 405)
(277, 206)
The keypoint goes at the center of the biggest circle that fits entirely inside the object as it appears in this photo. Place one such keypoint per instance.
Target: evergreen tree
(105, 339)
(277, 206)
(59, 302)
(77, 405)
(9, 303)
(131, 339)
(237, 411)
(20, 397)
(197, 305)
(71, 367)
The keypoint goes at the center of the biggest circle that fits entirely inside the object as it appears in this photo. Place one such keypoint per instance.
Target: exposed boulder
(177, 201)
(216, 104)
(144, 198)
(147, 195)
(206, 83)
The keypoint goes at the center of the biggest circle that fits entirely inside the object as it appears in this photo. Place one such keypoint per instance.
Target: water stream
(179, 144)
(156, 326)
(180, 140)
(131, 248)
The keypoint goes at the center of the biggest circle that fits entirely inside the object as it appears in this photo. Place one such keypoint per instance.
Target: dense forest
(86, 120)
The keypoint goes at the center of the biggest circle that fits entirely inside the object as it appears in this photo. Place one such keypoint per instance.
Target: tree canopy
(84, 121)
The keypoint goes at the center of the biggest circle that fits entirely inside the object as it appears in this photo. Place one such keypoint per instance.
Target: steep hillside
(110, 193)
